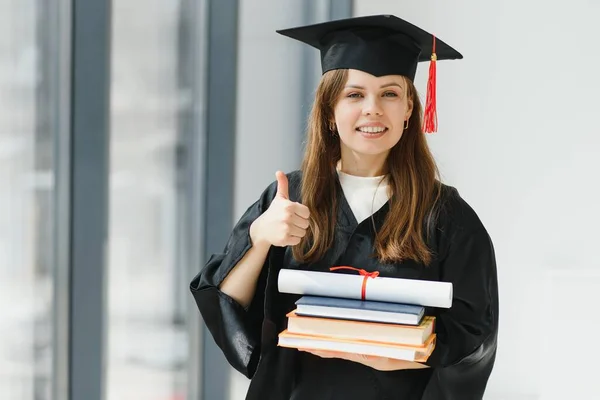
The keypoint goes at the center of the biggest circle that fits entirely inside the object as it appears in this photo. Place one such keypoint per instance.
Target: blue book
(359, 310)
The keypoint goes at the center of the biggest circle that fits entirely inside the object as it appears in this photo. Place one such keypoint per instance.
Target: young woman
(367, 195)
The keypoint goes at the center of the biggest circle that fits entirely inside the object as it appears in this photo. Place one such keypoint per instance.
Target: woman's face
(371, 112)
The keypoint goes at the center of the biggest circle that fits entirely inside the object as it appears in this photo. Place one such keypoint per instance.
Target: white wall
(519, 138)
(269, 120)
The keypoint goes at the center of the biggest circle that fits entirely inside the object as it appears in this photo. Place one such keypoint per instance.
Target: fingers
(293, 230)
(298, 209)
(292, 241)
(297, 214)
(299, 222)
(282, 185)
(301, 210)
(295, 225)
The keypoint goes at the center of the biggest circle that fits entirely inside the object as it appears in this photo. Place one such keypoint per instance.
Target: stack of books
(363, 314)
(386, 329)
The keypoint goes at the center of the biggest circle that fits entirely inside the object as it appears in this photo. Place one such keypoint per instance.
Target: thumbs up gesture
(285, 222)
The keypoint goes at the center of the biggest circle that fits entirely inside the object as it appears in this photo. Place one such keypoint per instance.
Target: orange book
(396, 351)
(362, 330)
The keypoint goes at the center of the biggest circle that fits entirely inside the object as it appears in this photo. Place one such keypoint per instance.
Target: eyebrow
(381, 87)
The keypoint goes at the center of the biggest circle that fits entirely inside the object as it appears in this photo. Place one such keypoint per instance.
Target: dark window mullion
(220, 105)
(59, 82)
(90, 104)
(191, 163)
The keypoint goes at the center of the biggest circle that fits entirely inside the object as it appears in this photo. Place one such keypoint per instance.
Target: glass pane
(26, 201)
(147, 288)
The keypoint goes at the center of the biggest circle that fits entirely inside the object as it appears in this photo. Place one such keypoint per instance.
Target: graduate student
(367, 195)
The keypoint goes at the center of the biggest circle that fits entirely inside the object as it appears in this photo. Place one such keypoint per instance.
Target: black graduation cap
(379, 45)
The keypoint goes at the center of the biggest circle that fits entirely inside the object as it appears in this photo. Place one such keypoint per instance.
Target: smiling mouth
(371, 130)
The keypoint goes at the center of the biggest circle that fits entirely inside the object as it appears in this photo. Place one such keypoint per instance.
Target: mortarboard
(379, 45)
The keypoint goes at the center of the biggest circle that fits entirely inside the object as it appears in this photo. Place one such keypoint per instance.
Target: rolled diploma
(393, 290)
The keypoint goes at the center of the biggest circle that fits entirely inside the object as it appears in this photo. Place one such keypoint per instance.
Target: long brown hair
(413, 178)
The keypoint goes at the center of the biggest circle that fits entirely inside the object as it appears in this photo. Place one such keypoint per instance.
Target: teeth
(369, 129)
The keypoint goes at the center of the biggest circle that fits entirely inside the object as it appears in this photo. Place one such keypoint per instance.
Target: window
(27, 137)
(147, 280)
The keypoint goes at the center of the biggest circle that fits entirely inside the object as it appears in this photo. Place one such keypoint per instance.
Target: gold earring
(406, 125)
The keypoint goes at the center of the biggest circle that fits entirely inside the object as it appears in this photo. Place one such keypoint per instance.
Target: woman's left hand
(375, 362)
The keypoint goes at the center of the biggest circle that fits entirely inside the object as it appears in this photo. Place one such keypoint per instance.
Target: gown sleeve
(235, 329)
(467, 332)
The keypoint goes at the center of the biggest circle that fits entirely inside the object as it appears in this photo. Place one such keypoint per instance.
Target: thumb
(282, 185)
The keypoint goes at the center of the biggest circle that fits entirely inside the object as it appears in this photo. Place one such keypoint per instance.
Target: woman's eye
(390, 94)
(354, 95)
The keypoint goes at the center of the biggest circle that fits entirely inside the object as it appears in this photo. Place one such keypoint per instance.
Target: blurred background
(133, 135)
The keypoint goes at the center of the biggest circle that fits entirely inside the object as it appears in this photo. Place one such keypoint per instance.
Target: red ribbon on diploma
(364, 273)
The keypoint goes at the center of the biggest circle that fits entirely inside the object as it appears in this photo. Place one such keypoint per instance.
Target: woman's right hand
(285, 222)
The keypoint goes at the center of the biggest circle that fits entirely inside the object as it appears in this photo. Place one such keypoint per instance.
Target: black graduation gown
(467, 332)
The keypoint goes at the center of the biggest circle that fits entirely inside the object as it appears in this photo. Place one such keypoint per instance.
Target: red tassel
(430, 120)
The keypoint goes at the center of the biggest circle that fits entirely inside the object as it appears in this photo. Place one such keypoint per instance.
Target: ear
(409, 108)
(409, 102)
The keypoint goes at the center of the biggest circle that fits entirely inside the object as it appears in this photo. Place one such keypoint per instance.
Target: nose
(372, 106)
